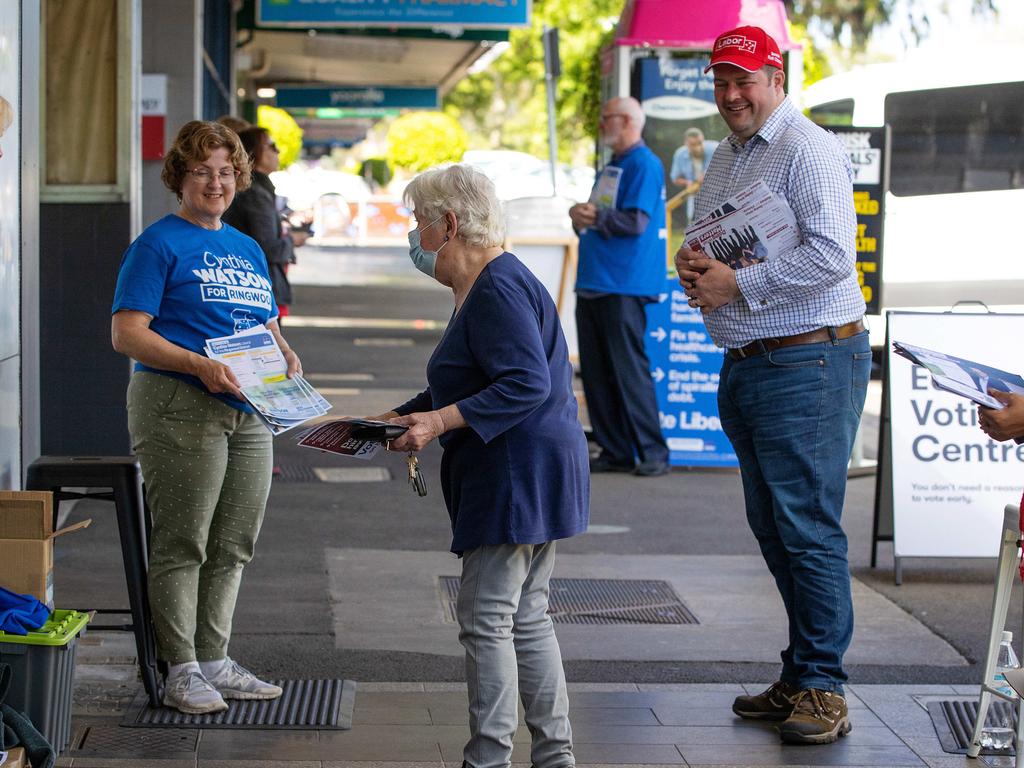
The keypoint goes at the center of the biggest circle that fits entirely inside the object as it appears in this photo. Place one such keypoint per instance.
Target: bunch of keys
(415, 476)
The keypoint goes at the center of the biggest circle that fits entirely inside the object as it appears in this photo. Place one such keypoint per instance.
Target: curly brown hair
(194, 143)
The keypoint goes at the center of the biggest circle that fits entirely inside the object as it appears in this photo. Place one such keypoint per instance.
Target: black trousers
(617, 378)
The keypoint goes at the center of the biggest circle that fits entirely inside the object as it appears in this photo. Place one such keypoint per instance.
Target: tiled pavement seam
(423, 724)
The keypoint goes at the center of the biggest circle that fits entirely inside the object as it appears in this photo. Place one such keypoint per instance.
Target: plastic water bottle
(999, 733)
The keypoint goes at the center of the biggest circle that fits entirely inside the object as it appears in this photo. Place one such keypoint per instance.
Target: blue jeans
(792, 416)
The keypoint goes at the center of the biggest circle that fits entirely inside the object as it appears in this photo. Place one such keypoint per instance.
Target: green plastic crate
(43, 674)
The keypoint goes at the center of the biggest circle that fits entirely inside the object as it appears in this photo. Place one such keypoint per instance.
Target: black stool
(123, 476)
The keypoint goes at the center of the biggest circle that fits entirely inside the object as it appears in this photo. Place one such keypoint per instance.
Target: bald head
(622, 123)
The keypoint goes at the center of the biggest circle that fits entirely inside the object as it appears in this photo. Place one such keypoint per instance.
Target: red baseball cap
(748, 48)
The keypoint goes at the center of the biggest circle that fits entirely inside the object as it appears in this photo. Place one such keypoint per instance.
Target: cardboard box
(26, 543)
(15, 758)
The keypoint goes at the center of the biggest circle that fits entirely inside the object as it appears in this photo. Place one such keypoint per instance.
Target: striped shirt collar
(773, 126)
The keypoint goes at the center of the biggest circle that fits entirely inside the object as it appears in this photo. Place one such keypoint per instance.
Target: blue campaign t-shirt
(630, 265)
(197, 284)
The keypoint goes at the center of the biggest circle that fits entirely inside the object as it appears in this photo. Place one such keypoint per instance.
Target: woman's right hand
(217, 377)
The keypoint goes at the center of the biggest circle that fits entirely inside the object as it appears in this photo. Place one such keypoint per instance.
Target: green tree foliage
(283, 129)
(505, 106)
(859, 18)
(421, 140)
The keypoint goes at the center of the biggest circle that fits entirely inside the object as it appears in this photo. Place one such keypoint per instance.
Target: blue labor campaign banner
(471, 14)
(676, 96)
(358, 96)
(684, 365)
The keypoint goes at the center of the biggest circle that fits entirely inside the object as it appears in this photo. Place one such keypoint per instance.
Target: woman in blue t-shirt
(515, 472)
(206, 458)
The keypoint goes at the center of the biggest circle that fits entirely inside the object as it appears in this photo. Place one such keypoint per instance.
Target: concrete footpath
(424, 725)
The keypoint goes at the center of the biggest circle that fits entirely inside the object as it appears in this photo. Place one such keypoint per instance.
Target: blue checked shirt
(815, 284)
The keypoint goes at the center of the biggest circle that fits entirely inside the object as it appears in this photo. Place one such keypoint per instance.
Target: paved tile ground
(424, 725)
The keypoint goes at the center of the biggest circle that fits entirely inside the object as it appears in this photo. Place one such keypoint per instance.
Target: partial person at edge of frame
(514, 473)
(206, 457)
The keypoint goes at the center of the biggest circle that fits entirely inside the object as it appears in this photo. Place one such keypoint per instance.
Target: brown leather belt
(763, 346)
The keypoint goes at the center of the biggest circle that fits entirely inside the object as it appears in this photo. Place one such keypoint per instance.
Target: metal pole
(551, 67)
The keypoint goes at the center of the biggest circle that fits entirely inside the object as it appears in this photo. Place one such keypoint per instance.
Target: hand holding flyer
(262, 372)
(962, 377)
(748, 228)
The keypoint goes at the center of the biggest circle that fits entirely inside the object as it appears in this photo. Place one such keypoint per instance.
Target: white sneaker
(234, 681)
(192, 694)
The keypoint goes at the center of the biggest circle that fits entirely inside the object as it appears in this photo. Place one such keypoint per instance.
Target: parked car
(518, 174)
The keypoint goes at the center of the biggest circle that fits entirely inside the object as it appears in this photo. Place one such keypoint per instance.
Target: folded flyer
(752, 226)
(345, 437)
(965, 378)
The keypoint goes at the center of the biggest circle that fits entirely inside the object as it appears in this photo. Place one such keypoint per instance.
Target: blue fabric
(792, 415)
(682, 162)
(519, 473)
(21, 613)
(197, 284)
(631, 265)
(617, 378)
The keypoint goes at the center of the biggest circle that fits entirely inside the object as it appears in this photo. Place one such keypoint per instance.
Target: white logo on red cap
(737, 41)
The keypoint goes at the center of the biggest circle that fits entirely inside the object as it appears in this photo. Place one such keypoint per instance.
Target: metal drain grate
(134, 743)
(295, 473)
(304, 705)
(598, 601)
(954, 723)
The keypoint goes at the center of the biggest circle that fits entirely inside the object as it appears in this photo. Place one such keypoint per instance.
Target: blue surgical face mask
(425, 261)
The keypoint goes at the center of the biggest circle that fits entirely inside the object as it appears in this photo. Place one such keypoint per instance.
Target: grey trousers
(512, 654)
(207, 468)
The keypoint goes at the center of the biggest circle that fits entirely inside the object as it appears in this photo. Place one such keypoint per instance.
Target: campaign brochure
(750, 227)
(965, 378)
(262, 372)
(358, 438)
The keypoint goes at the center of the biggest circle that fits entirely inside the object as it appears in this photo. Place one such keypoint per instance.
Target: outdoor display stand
(941, 479)
(658, 56)
(1006, 574)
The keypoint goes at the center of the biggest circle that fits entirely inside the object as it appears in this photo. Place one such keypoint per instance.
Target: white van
(954, 215)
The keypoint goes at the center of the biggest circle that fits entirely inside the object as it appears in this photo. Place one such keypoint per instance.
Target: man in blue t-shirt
(622, 269)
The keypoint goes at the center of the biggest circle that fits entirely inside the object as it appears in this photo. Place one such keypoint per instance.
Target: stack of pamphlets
(260, 367)
(748, 228)
(962, 377)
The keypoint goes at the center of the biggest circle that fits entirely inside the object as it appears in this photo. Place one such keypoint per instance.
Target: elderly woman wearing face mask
(206, 458)
(514, 471)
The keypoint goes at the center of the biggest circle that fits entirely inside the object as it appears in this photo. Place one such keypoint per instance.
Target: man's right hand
(583, 215)
(687, 275)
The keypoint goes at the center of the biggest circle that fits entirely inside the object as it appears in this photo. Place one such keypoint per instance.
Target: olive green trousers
(207, 469)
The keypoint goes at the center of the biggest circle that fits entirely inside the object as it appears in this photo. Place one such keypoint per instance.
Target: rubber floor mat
(304, 705)
(954, 723)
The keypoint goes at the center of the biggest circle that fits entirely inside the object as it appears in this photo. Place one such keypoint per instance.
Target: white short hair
(466, 192)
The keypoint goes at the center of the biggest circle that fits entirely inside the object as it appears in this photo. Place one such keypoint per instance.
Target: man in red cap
(795, 373)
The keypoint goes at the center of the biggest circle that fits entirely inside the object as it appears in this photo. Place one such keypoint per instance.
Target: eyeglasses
(610, 115)
(204, 174)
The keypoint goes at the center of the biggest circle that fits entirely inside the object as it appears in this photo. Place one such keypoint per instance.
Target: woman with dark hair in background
(255, 213)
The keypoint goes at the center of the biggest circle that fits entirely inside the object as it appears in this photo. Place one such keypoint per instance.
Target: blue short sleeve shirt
(197, 284)
(632, 265)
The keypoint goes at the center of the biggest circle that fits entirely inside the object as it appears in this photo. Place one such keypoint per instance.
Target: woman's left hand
(1006, 423)
(423, 427)
(294, 364)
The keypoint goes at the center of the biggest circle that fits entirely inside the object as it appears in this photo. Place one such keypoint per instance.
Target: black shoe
(602, 463)
(651, 468)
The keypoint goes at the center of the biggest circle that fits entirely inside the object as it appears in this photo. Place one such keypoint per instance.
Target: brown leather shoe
(775, 704)
(819, 717)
